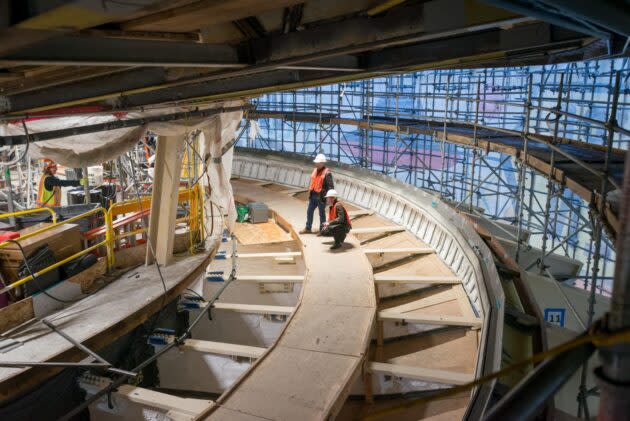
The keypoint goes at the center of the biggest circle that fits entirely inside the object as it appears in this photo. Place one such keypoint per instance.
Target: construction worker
(321, 182)
(338, 225)
(49, 193)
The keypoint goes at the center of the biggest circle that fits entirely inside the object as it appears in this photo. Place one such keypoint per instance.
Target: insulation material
(216, 184)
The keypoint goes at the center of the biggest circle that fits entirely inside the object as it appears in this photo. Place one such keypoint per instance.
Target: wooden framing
(294, 279)
(378, 230)
(177, 408)
(222, 348)
(415, 279)
(430, 319)
(270, 254)
(168, 162)
(419, 373)
(254, 308)
(401, 250)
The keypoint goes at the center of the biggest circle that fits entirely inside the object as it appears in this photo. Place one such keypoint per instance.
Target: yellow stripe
(66, 17)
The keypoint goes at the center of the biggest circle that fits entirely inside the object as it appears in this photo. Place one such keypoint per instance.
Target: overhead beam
(113, 125)
(147, 86)
(93, 51)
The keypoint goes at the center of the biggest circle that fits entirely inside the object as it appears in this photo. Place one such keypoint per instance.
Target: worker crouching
(338, 225)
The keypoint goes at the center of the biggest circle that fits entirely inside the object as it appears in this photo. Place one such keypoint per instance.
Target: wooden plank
(361, 212)
(415, 279)
(254, 308)
(15, 314)
(401, 250)
(270, 254)
(431, 300)
(223, 348)
(378, 230)
(421, 373)
(431, 319)
(181, 406)
(295, 279)
(168, 162)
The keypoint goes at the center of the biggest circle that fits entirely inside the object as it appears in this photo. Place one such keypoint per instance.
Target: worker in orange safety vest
(338, 225)
(321, 182)
(49, 193)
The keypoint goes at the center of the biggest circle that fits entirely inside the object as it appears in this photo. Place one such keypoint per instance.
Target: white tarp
(95, 148)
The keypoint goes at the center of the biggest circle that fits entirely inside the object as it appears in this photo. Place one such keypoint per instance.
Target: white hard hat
(320, 158)
(332, 193)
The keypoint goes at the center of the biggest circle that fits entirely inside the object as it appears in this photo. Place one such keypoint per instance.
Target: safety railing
(144, 204)
(29, 211)
(108, 243)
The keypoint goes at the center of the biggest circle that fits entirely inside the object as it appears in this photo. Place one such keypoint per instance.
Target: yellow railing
(28, 211)
(189, 195)
(108, 243)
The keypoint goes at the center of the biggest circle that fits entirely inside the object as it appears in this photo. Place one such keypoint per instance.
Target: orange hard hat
(49, 163)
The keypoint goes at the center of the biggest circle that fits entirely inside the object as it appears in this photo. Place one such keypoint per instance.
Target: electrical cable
(36, 281)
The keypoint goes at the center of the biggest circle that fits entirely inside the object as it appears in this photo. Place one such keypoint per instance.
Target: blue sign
(555, 316)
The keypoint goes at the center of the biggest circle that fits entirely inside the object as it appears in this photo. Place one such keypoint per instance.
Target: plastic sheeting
(95, 148)
(216, 184)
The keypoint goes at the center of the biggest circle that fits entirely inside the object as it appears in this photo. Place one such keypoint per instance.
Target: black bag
(77, 265)
(38, 260)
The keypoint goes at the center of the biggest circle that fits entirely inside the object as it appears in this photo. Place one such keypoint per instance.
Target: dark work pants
(338, 233)
(315, 203)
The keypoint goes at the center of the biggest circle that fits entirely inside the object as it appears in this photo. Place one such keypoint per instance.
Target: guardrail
(29, 211)
(188, 195)
(108, 243)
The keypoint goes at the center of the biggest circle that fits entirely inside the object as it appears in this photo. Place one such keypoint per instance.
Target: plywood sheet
(266, 232)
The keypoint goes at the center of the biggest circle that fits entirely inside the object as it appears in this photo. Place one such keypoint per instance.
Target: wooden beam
(432, 300)
(378, 230)
(270, 254)
(401, 250)
(222, 348)
(420, 373)
(168, 163)
(178, 408)
(361, 212)
(295, 279)
(254, 308)
(431, 319)
(415, 279)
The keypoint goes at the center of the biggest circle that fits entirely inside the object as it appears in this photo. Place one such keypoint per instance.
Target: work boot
(335, 246)
(306, 231)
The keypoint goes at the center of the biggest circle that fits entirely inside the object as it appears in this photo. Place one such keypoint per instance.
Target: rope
(597, 339)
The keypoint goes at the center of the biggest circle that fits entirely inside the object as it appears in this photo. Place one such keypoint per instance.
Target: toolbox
(258, 212)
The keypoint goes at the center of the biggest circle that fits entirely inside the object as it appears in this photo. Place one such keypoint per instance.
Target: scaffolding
(565, 101)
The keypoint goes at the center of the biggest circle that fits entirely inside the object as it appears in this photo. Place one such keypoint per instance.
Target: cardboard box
(63, 241)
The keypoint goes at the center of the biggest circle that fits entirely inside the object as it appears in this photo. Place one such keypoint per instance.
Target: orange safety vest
(317, 180)
(332, 213)
(47, 197)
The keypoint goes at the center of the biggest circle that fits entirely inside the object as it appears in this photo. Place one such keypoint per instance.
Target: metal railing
(187, 195)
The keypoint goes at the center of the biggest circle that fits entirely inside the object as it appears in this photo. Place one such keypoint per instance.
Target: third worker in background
(321, 182)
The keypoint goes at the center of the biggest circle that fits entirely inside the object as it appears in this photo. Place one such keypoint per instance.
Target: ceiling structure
(104, 55)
